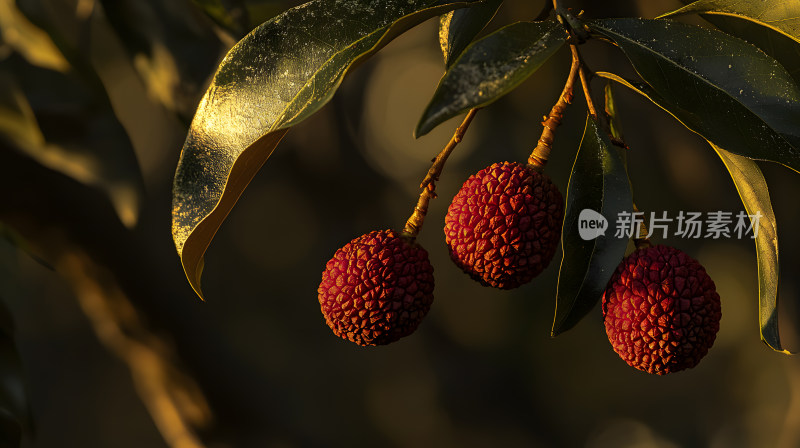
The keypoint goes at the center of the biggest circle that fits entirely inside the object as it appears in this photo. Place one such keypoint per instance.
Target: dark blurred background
(118, 351)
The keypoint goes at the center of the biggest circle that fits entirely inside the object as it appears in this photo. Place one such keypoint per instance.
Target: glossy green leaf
(490, 68)
(753, 191)
(782, 48)
(782, 16)
(728, 91)
(598, 182)
(274, 78)
(62, 122)
(752, 188)
(458, 28)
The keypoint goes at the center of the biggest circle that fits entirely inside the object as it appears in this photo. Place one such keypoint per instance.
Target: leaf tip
(423, 127)
(194, 277)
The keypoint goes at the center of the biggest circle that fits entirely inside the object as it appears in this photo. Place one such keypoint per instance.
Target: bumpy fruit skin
(377, 288)
(504, 225)
(661, 310)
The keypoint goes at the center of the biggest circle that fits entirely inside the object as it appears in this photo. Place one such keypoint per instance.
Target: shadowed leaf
(458, 28)
(775, 44)
(598, 182)
(490, 68)
(274, 78)
(721, 87)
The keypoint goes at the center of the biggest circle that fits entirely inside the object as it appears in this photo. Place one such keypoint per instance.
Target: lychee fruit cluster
(377, 288)
(661, 310)
(504, 224)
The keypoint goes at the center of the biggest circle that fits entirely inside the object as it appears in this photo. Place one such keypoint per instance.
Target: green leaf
(458, 28)
(490, 68)
(598, 182)
(274, 78)
(782, 48)
(752, 188)
(59, 120)
(782, 16)
(726, 89)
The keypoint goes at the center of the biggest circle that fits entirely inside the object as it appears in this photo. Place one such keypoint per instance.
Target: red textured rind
(376, 289)
(504, 225)
(661, 310)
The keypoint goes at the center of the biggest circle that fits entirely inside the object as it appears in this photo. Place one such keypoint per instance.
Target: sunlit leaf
(724, 88)
(782, 16)
(598, 183)
(458, 28)
(274, 78)
(490, 68)
(61, 122)
(752, 188)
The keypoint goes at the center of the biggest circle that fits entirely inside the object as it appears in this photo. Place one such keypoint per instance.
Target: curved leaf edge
(446, 21)
(629, 84)
(777, 133)
(766, 245)
(191, 251)
(426, 124)
(684, 10)
(569, 320)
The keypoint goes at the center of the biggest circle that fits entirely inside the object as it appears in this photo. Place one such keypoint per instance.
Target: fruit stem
(642, 241)
(585, 78)
(541, 152)
(428, 184)
(614, 131)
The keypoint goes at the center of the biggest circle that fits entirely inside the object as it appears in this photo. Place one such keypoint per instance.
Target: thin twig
(641, 241)
(541, 152)
(428, 185)
(585, 84)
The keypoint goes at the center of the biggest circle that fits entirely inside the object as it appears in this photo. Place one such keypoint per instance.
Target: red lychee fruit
(504, 224)
(661, 310)
(377, 288)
